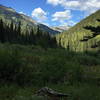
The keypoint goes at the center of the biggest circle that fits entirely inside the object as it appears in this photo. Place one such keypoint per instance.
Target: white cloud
(22, 13)
(39, 14)
(82, 5)
(53, 2)
(64, 18)
(68, 23)
(70, 4)
(90, 6)
(61, 16)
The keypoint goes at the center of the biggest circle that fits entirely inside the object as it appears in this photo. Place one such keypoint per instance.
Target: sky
(54, 12)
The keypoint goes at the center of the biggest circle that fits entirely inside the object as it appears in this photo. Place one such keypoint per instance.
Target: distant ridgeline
(84, 36)
(9, 14)
(12, 33)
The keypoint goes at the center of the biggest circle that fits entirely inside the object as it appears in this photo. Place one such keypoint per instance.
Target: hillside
(78, 38)
(8, 14)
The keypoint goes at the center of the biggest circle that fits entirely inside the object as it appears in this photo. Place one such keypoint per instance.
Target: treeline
(82, 37)
(12, 33)
(95, 32)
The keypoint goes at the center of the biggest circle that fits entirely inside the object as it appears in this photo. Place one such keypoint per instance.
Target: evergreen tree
(1, 31)
(19, 32)
(95, 32)
(32, 37)
(12, 33)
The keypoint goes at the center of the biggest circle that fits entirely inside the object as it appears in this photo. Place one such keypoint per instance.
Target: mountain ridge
(61, 28)
(72, 38)
(8, 14)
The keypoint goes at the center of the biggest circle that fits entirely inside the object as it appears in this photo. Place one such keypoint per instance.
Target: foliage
(31, 65)
(12, 34)
(25, 69)
(80, 39)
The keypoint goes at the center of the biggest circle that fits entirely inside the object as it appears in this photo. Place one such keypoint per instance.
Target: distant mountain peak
(61, 28)
(7, 8)
(9, 14)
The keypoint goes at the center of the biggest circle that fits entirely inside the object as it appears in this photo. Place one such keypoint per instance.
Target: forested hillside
(7, 14)
(79, 37)
(12, 33)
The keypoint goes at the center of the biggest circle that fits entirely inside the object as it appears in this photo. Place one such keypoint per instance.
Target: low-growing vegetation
(25, 69)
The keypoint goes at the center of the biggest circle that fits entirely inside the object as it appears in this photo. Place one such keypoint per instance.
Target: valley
(33, 56)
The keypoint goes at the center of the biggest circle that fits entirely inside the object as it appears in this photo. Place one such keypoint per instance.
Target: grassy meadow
(26, 69)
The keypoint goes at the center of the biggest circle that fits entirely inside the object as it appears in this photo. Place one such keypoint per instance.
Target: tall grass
(25, 69)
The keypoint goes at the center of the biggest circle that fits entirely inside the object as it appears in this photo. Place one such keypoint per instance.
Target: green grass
(25, 69)
(76, 92)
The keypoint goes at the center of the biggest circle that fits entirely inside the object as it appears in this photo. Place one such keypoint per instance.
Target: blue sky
(54, 12)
